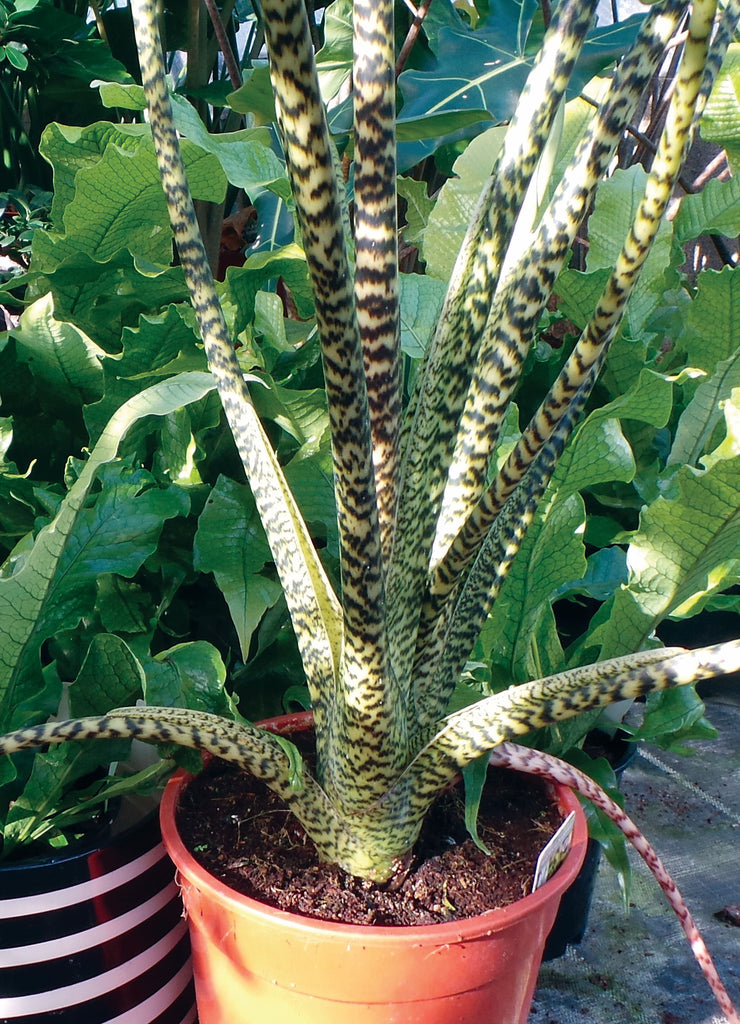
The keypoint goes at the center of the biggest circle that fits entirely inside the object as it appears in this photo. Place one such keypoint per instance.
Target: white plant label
(554, 853)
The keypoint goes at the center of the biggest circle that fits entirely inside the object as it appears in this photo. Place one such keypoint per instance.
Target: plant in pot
(429, 524)
(92, 918)
(628, 487)
(616, 487)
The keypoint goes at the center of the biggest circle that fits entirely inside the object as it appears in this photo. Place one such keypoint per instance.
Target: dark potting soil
(243, 834)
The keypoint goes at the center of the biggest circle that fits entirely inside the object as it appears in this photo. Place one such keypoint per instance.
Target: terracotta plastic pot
(253, 964)
(96, 936)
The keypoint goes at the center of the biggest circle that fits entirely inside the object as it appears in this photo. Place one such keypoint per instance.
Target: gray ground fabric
(637, 967)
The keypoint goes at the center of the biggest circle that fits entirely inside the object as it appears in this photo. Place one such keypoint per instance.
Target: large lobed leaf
(720, 122)
(712, 322)
(685, 549)
(111, 196)
(54, 584)
(484, 69)
(63, 360)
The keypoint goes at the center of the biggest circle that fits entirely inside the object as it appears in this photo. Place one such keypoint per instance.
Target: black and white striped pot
(97, 936)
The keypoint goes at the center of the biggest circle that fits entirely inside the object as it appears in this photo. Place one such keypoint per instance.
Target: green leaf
(246, 156)
(686, 548)
(17, 499)
(122, 97)
(63, 360)
(70, 150)
(720, 121)
(119, 203)
(160, 346)
(91, 59)
(110, 677)
(673, 717)
(124, 607)
(485, 69)
(464, 694)
(15, 55)
(115, 535)
(701, 416)
(243, 283)
(191, 676)
(302, 413)
(418, 208)
(441, 16)
(310, 474)
(715, 211)
(231, 543)
(421, 302)
(600, 827)
(579, 113)
(119, 531)
(335, 58)
(518, 635)
(28, 598)
(624, 363)
(112, 195)
(98, 298)
(295, 762)
(606, 570)
(269, 321)
(255, 96)
(712, 322)
(602, 456)
(599, 452)
(474, 779)
(579, 292)
(48, 787)
(457, 199)
(435, 126)
(475, 72)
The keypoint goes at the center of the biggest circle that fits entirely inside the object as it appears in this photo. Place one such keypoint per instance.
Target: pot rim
(191, 872)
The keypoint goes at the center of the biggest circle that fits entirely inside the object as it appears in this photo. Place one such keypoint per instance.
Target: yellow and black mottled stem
(431, 679)
(521, 299)
(512, 714)
(576, 379)
(371, 841)
(584, 362)
(726, 29)
(430, 424)
(367, 741)
(535, 762)
(501, 548)
(269, 758)
(312, 604)
(305, 138)
(376, 243)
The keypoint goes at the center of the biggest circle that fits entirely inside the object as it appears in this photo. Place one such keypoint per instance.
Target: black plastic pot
(572, 917)
(96, 936)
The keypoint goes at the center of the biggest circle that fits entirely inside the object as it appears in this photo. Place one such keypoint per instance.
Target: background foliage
(162, 583)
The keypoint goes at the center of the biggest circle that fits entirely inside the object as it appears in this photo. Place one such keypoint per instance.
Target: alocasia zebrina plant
(427, 530)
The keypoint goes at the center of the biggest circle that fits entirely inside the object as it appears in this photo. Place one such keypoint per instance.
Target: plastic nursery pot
(254, 964)
(572, 916)
(96, 935)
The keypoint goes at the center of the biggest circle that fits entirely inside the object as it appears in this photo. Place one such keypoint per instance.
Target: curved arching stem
(534, 762)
